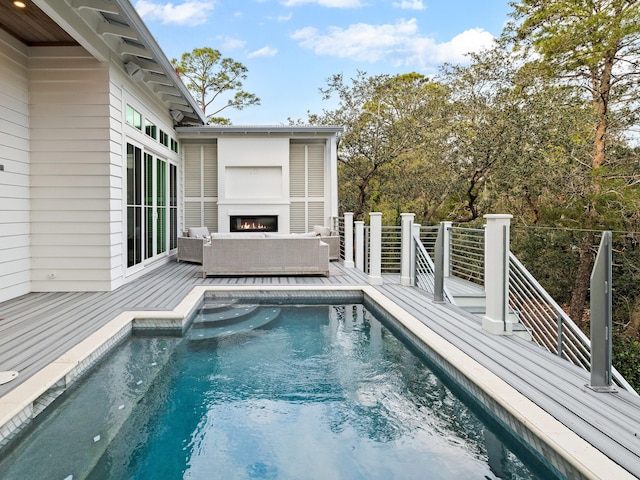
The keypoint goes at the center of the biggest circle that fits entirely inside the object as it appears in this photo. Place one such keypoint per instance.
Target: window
(164, 138)
(174, 145)
(152, 206)
(133, 117)
(134, 205)
(150, 129)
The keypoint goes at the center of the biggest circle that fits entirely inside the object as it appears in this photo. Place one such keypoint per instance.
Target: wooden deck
(37, 328)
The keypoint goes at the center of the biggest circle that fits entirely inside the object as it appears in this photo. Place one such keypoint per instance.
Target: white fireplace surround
(253, 179)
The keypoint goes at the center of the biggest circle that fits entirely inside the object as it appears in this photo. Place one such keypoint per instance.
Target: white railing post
(496, 274)
(375, 248)
(446, 247)
(406, 257)
(359, 226)
(348, 240)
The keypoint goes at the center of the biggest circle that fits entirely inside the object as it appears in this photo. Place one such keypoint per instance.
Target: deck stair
(215, 320)
(471, 298)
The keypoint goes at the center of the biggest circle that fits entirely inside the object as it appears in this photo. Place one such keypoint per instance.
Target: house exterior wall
(200, 185)
(15, 251)
(73, 186)
(253, 178)
(256, 173)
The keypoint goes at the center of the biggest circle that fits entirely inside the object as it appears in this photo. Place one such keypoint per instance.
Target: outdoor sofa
(191, 243)
(240, 254)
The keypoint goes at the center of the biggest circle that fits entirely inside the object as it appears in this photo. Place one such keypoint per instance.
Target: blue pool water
(315, 392)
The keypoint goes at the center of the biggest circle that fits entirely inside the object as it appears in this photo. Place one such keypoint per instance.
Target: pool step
(217, 305)
(218, 317)
(230, 326)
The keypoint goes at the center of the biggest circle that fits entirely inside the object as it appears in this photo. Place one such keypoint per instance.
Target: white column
(348, 240)
(359, 225)
(375, 248)
(496, 274)
(406, 245)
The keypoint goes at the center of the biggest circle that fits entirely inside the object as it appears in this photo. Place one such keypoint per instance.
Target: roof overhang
(108, 29)
(280, 130)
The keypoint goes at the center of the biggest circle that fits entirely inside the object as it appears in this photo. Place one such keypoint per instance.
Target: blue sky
(290, 47)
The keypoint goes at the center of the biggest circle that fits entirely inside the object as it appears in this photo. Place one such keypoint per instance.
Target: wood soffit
(31, 25)
(120, 28)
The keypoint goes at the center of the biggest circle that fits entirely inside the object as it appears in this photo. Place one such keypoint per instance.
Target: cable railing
(549, 325)
(391, 249)
(425, 275)
(467, 254)
(338, 226)
(428, 237)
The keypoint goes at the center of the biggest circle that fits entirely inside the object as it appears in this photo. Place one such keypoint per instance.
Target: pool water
(313, 392)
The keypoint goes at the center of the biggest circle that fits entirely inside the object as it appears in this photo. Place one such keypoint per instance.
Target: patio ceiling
(31, 25)
(117, 25)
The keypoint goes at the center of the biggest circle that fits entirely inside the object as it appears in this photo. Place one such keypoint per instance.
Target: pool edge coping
(17, 406)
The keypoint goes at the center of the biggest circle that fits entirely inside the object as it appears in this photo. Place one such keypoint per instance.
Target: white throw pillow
(199, 232)
(323, 231)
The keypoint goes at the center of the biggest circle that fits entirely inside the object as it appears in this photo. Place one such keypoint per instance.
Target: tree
(212, 78)
(594, 44)
(385, 118)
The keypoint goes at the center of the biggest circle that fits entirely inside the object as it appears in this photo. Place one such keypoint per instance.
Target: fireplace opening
(254, 223)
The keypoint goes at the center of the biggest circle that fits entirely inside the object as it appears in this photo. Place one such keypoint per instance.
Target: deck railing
(391, 249)
(428, 237)
(425, 275)
(550, 326)
(338, 226)
(467, 254)
(464, 258)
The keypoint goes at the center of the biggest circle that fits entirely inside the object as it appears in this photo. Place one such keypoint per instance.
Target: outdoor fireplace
(253, 223)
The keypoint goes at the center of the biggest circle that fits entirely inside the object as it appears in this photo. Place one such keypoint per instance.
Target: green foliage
(213, 78)
(626, 357)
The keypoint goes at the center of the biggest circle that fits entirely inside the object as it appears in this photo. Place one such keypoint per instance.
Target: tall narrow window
(173, 207)
(161, 206)
(148, 205)
(134, 205)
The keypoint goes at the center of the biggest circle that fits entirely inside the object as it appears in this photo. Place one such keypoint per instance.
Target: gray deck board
(611, 421)
(37, 328)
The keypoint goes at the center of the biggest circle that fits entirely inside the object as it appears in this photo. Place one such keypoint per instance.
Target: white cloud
(325, 3)
(398, 44)
(229, 43)
(191, 12)
(264, 52)
(409, 5)
(285, 18)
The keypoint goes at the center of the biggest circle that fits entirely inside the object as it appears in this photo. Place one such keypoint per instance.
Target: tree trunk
(582, 282)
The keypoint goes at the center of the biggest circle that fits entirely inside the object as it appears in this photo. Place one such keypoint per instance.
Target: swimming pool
(312, 392)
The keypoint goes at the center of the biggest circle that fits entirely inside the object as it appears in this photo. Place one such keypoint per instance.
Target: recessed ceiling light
(19, 4)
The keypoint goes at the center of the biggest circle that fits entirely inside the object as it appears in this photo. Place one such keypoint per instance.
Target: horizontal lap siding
(76, 179)
(15, 251)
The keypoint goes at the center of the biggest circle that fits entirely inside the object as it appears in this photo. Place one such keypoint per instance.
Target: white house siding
(75, 186)
(200, 182)
(308, 186)
(14, 178)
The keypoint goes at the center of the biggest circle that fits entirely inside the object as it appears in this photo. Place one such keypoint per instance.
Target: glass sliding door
(134, 205)
(152, 206)
(173, 207)
(161, 206)
(148, 205)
